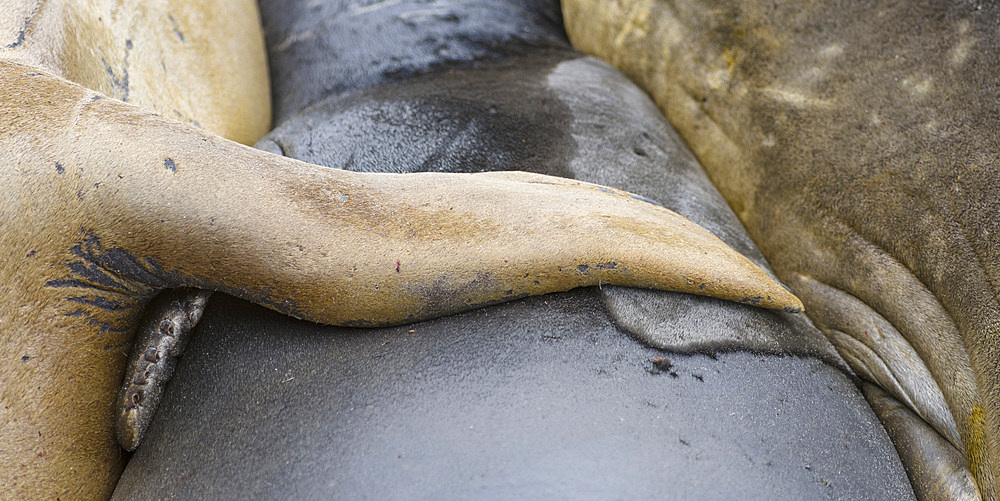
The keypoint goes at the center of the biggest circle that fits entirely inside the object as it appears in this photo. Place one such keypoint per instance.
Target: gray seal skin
(857, 142)
(544, 396)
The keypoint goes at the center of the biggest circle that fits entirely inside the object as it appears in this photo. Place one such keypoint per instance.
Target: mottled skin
(106, 203)
(856, 141)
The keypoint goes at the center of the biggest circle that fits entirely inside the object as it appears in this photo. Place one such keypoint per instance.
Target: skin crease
(106, 203)
(856, 143)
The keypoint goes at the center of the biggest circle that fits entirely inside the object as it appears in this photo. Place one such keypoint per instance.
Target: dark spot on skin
(752, 300)
(94, 274)
(25, 358)
(662, 363)
(685, 442)
(60, 169)
(18, 42)
(32, 253)
(128, 44)
(639, 151)
(119, 83)
(702, 287)
(610, 265)
(508, 292)
(698, 377)
(100, 302)
(95, 98)
(177, 28)
(397, 266)
(169, 164)
(106, 327)
(583, 268)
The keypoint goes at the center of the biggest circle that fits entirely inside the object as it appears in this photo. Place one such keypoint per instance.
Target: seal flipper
(160, 340)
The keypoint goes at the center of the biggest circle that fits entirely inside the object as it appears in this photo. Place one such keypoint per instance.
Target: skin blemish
(397, 266)
(25, 358)
(662, 363)
(32, 253)
(176, 28)
(169, 164)
(583, 268)
(60, 169)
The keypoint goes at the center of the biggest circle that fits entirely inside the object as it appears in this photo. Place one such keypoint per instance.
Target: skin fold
(106, 203)
(856, 142)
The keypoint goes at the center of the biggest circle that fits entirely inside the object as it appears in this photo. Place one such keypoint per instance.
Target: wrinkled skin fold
(856, 142)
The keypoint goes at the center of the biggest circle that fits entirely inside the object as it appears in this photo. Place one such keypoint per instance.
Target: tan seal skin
(202, 63)
(857, 142)
(103, 204)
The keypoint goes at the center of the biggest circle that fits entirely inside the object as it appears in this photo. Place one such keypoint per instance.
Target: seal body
(544, 395)
(106, 203)
(855, 141)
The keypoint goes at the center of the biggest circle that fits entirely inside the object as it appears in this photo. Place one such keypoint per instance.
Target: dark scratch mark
(20, 37)
(176, 28)
(100, 302)
(118, 83)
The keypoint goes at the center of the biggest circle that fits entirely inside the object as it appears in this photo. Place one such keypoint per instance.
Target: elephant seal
(546, 395)
(856, 143)
(106, 203)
